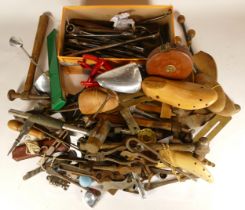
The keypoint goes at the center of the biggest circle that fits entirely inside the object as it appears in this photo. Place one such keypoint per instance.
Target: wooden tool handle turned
(36, 51)
(230, 108)
(98, 136)
(219, 104)
(17, 126)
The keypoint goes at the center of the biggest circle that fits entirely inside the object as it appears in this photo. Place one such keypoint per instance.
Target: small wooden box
(106, 12)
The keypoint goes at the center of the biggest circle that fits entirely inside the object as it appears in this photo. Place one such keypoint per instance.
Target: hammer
(36, 51)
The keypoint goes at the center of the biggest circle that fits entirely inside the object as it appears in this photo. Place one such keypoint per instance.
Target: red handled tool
(101, 65)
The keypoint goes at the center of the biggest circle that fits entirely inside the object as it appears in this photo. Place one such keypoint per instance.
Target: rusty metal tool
(153, 19)
(103, 156)
(83, 169)
(32, 173)
(128, 117)
(135, 110)
(139, 185)
(136, 146)
(58, 182)
(12, 95)
(48, 121)
(98, 136)
(121, 169)
(63, 134)
(50, 170)
(40, 35)
(154, 185)
(212, 128)
(152, 36)
(117, 185)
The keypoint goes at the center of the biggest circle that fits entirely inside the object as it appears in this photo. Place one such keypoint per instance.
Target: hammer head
(12, 95)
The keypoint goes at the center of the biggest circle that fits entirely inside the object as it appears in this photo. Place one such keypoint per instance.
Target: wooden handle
(187, 162)
(20, 152)
(36, 51)
(191, 33)
(149, 108)
(175, 147)
(177, 40)
(117, 119)
(205, 63)
(181, 19)
(166, 111)
(206, 80)
(98, 136)
(230, 108)
(17, 126)
(184, 95)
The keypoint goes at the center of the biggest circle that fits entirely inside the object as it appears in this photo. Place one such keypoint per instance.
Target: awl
(25, 129)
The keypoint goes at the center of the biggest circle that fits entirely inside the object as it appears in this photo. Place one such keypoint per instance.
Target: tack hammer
(36, 51)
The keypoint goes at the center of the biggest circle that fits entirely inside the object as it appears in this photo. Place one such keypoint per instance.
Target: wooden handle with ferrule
(17, 126)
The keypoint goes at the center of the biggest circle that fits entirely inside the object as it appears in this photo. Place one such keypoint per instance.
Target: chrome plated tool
(17, 42)
(124, 79)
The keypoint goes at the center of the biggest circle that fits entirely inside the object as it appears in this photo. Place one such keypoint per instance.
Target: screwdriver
(48, 121)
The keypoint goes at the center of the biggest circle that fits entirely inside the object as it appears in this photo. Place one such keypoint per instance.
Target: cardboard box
(106, 12)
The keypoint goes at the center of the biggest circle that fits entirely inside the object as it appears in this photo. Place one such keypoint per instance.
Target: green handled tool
(57, 98)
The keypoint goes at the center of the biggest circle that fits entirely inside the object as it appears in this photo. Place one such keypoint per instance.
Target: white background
(220, 27)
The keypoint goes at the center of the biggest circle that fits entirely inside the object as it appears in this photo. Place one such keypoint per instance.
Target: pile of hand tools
(133, 126)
